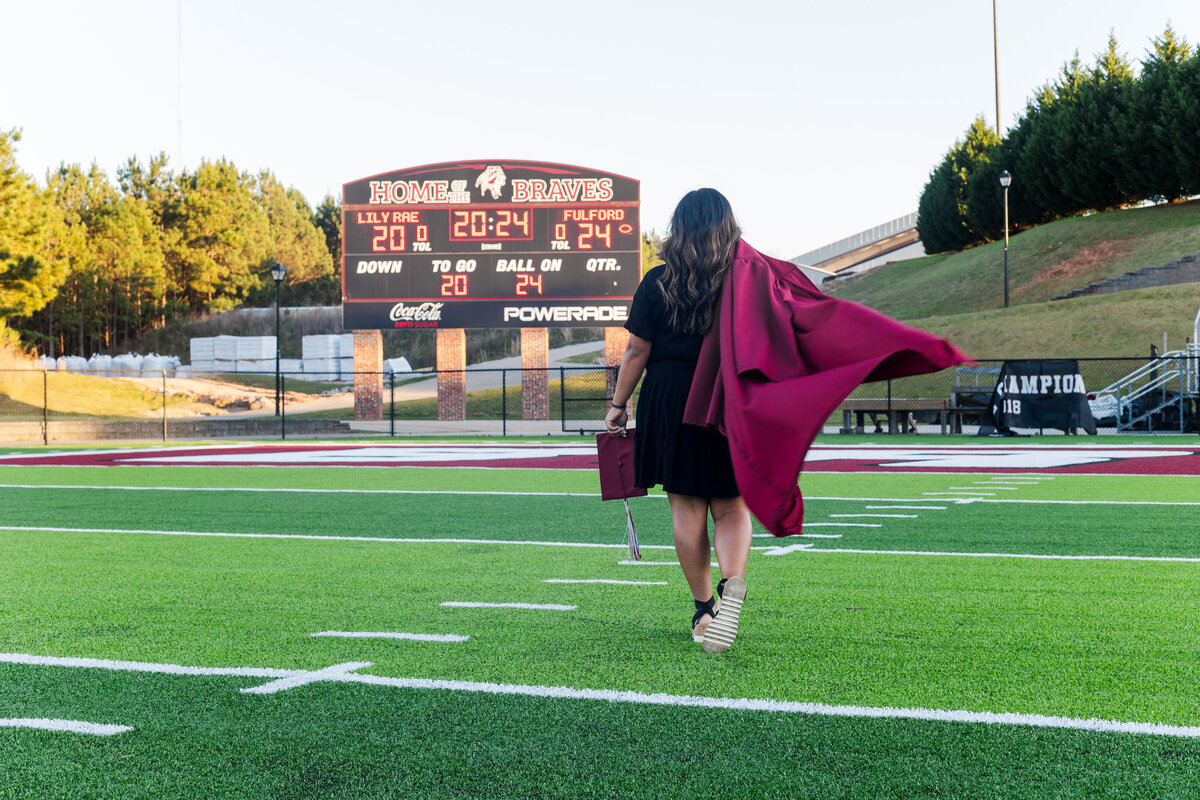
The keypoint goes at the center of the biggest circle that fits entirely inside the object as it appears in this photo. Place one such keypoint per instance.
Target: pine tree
(942, 213)
(1145, 148)
(224, 238)
(1181, 121)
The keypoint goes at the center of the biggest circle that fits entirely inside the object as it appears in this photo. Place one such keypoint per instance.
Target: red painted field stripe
(883, 459)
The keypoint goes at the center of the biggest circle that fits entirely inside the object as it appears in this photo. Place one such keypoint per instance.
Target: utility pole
(996, 53)
(179, 74)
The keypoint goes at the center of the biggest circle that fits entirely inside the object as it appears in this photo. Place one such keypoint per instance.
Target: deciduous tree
(29, 277)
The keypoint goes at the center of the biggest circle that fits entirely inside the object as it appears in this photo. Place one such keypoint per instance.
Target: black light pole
(277, 274)
(1005, 181)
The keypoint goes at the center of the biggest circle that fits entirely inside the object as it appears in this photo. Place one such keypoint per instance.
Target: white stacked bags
(321, 357)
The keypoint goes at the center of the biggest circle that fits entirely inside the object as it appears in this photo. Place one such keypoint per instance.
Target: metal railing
(1153, 388)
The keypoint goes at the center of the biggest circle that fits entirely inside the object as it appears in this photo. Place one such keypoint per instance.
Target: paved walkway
(481, 380)
(484, 375)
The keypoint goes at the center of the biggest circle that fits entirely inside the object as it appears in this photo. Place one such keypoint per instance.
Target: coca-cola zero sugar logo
(425, 315)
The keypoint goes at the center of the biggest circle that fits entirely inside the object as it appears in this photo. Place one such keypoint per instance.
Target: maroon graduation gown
(780, 358)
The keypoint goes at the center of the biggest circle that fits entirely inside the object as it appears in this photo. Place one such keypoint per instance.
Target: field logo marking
(345, 673)
(950, 457)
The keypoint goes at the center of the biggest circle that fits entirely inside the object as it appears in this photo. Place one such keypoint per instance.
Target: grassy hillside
(1112, 325)
(1043, 262)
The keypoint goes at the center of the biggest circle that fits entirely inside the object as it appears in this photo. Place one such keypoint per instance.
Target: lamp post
(277, 274)
(1005, 181)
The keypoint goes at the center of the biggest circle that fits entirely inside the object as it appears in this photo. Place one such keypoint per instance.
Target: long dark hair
(698, 251)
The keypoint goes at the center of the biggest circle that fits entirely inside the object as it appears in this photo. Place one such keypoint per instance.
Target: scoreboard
(490, 244)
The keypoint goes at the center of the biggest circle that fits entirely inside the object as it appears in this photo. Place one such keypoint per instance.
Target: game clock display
(490, 244)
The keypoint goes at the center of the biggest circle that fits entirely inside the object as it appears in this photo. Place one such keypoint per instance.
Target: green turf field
(940, 635)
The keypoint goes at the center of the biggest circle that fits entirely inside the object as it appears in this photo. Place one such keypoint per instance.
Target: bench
(971, 395)
(899, 419)
(969, 404)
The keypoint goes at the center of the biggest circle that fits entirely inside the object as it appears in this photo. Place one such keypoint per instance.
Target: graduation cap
(615, 456)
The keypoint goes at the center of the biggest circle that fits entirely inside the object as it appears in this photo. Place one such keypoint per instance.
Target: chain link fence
(59, 406)
(54, 406)
(958, 400)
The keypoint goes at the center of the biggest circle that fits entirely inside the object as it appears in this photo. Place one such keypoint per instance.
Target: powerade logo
(566, 314)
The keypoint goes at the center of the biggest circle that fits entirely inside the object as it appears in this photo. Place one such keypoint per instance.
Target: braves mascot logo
(492, 181)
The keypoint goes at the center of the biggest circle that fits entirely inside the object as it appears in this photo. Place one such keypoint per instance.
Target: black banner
(1040, 394)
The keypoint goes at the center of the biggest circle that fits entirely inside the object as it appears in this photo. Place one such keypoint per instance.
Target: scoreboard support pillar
(535, 380)
(368, 375)
(452, 376)
(615, 340)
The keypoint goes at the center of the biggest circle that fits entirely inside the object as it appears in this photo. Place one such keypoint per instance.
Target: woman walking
(672, 311)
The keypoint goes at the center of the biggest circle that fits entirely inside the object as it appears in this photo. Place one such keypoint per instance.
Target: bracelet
(614, 405)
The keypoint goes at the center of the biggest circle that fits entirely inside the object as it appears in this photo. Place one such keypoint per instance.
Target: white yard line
(334, 673)
(972, 494)
(1047, 556)
(876, 516)
(1095, 502)
(346, 673)
(605, 581)
(989, 485)
(414, 637)
(783, 550)
(921, 508)
(65, 725)
(806, 535)
(592, 545)
(523, 606)
(810, 498)
(314, 537)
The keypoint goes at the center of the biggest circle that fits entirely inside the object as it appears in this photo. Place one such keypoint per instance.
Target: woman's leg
(689, 524)
(732, 533)
(733, 551)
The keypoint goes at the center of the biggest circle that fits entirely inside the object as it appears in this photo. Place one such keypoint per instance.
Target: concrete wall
(1185, 270)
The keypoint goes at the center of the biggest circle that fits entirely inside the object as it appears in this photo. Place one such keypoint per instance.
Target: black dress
(684, 459)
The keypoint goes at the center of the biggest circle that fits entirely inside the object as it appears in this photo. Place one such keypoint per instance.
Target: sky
(816, 119)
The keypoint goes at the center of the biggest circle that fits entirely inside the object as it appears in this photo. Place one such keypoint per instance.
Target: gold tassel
(635, 551)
